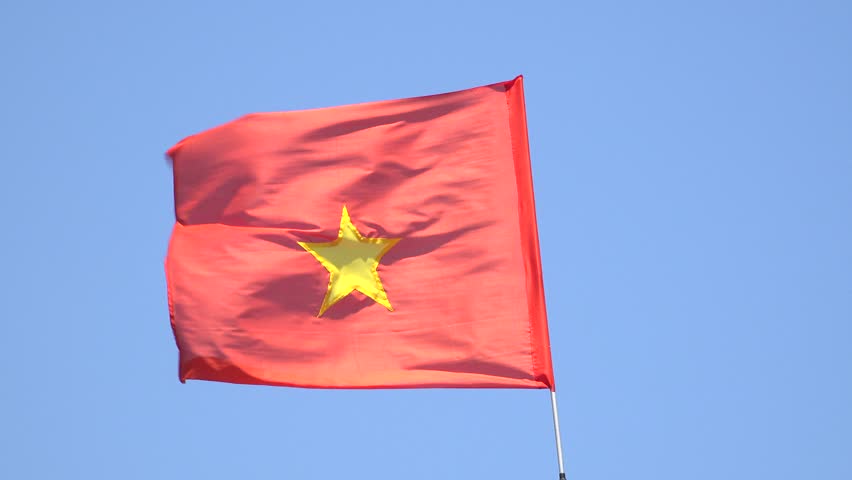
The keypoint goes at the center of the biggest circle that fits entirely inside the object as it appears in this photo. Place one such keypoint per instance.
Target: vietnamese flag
(382, 245)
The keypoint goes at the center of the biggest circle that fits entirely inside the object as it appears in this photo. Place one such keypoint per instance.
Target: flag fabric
(389, 244)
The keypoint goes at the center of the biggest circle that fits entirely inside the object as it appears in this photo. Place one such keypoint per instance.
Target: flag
(389, 244)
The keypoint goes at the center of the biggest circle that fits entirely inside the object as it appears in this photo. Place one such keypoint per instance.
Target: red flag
(381, 245)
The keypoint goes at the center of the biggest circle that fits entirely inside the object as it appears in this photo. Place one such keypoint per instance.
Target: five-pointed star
(352, 262)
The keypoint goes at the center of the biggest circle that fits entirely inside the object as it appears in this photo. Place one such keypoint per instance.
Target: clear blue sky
(693, 172)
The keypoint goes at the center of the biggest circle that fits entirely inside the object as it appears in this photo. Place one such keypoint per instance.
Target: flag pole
(558, 435)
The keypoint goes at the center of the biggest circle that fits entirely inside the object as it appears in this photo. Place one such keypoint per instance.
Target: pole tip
(562, 476)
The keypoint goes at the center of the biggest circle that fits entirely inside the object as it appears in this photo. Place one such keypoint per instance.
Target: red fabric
(448, 175)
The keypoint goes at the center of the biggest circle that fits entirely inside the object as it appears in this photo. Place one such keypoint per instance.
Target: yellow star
(352, 262)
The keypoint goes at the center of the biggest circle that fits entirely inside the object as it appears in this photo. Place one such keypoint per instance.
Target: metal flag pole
(558, 435)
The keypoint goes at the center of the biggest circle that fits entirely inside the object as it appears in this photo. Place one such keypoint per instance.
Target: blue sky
(693, 172)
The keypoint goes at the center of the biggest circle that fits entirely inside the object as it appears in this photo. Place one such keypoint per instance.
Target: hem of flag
(539, 335)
